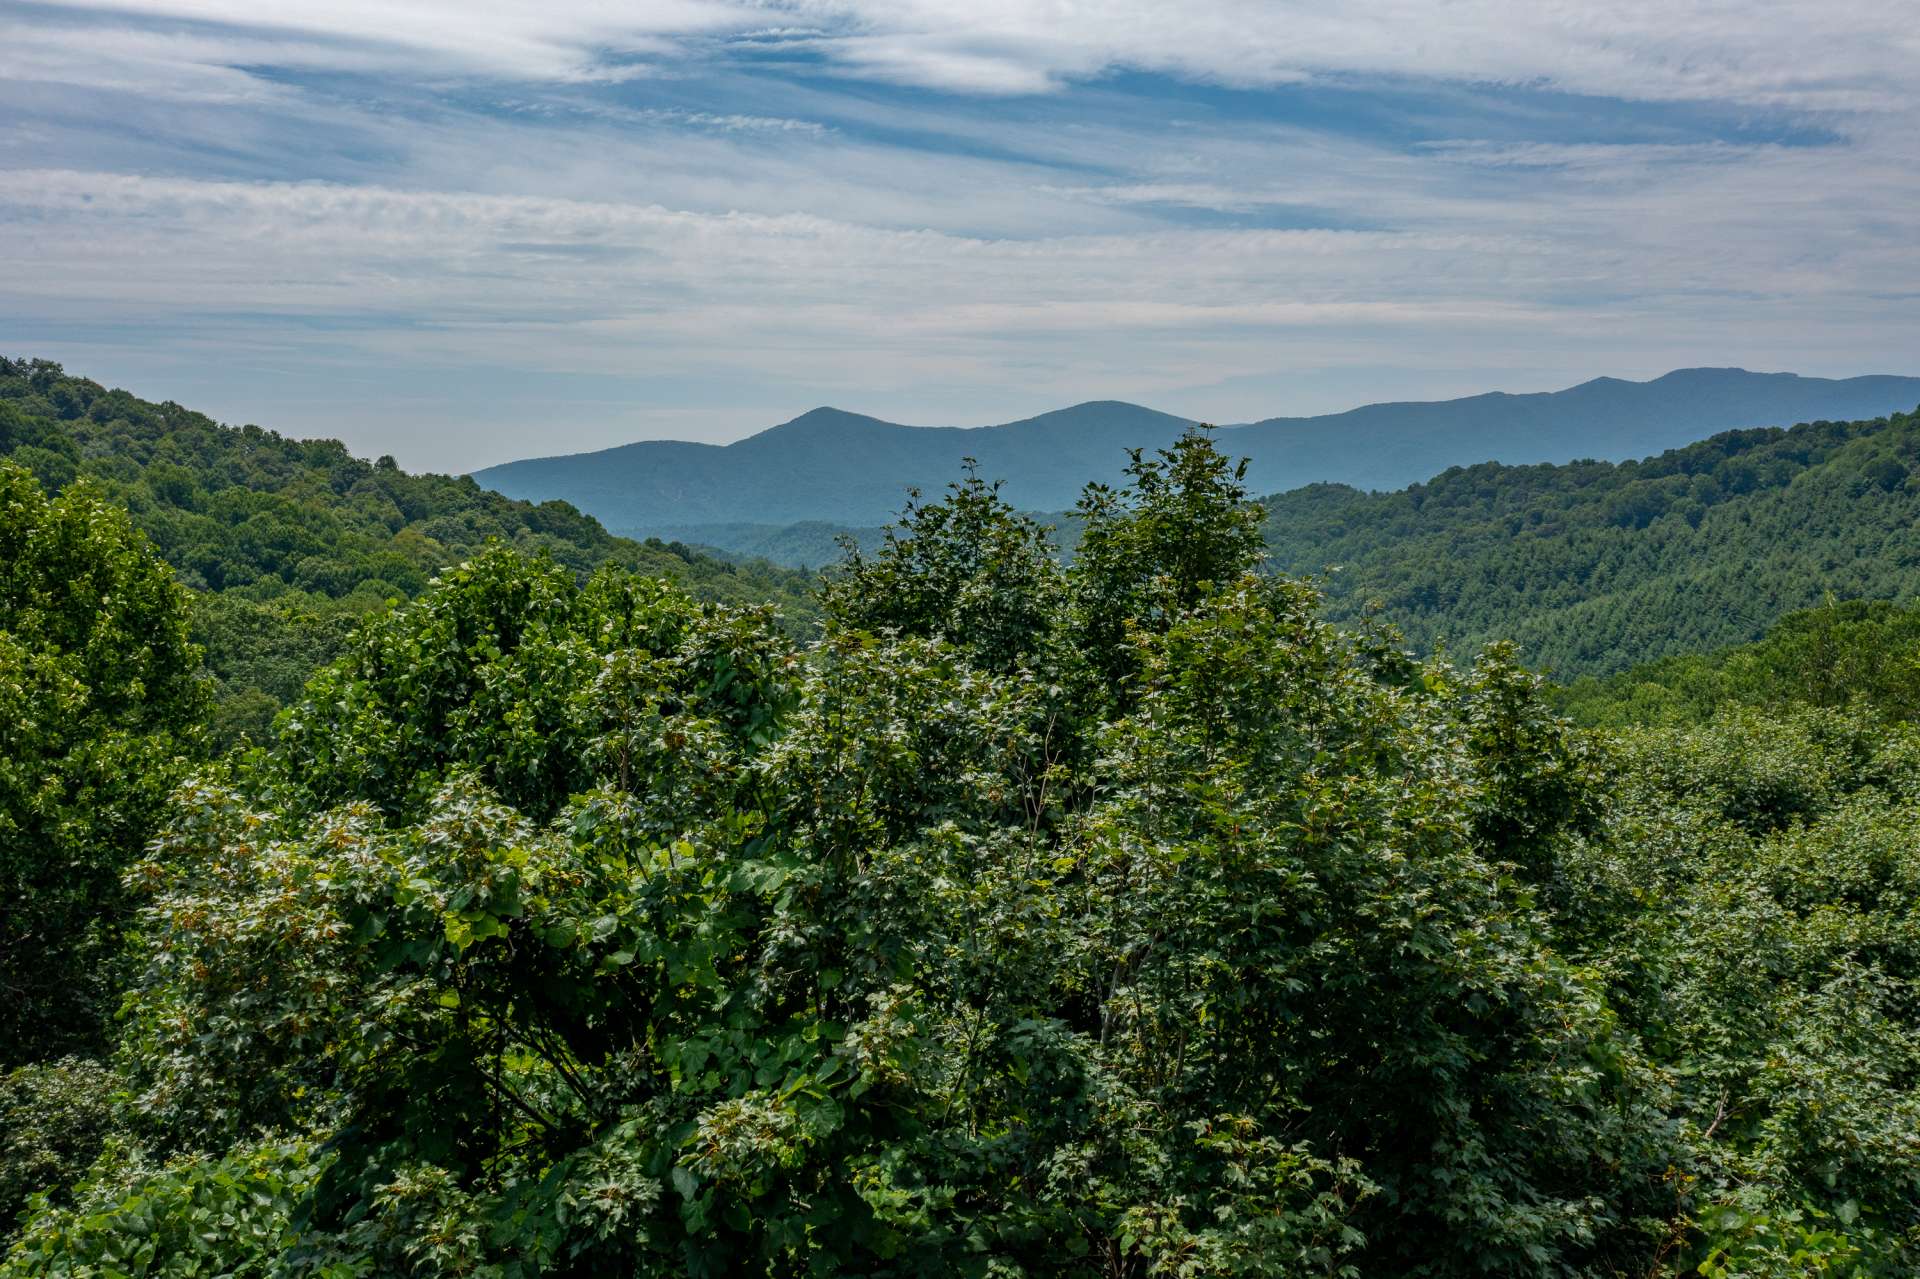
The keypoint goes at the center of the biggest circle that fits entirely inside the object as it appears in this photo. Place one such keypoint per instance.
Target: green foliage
(969, 570)
(54, 1118)
(597, 931)
(1750, 897)
(1853, 652)
(1182, 526)
(514, 670)
(1538, 782)
(1123, 918)
(1305, 926)
(181, 1219)
(1769, 1241)
(1592, 566)
(100, 701)
(261, 655)
(295, 541)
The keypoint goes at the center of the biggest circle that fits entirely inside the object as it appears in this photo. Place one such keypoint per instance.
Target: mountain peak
(826, 418)
(1101, 415)
(1715, 373)
(1106, 404)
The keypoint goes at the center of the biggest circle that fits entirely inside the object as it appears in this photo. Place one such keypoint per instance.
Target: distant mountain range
(831, 468)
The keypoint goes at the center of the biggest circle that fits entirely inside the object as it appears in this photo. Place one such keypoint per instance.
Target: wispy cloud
(1844, 54)
(715, 212)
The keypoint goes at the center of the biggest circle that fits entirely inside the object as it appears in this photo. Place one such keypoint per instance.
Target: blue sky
(463, 233)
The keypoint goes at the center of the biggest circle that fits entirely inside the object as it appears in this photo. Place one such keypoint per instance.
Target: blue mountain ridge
(836, 468)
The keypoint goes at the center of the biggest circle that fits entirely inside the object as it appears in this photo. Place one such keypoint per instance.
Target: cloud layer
(1843, 54)
(462, 233)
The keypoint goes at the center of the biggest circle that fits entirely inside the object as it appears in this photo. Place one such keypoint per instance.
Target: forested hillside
(1594, 566)
(812, 544)
(1843, 653)
(1105, 919)
(1591, 566)
(290, 543)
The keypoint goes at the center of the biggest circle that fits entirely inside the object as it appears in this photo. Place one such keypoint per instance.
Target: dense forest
(291, 543)
(1594, 566)
(1119, 916)
(1589, 566)
(1863, 653)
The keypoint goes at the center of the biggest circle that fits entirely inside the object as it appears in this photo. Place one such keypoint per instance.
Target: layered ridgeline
(837, 468)
(291, 542)
(1594, 566)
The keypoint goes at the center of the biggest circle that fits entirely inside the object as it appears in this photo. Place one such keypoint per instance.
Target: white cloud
(579, 286)
(1842, 54)
(171, 65)
(568, 39)
(1838, 55)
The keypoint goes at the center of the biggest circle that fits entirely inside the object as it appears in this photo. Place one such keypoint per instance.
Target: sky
(465, 231)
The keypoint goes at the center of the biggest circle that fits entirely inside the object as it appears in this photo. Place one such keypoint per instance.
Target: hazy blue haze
(835, 468)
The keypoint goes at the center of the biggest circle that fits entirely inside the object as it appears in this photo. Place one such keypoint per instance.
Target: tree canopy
(1117, 917)
(289, 544)
(1592, 567)
(100, 708)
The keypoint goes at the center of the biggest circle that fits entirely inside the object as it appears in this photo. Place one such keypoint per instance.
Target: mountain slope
(832, 466)
(843, 468)
(1388, 446)
(1594, 566)
(291, 542)
(1853, 652)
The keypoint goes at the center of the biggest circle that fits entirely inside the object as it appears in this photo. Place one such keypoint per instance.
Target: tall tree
(100, 698)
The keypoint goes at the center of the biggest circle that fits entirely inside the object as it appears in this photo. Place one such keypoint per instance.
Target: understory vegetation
(1126, 917)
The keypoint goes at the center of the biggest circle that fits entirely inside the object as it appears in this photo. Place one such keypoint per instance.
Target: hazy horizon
(1226, 422)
